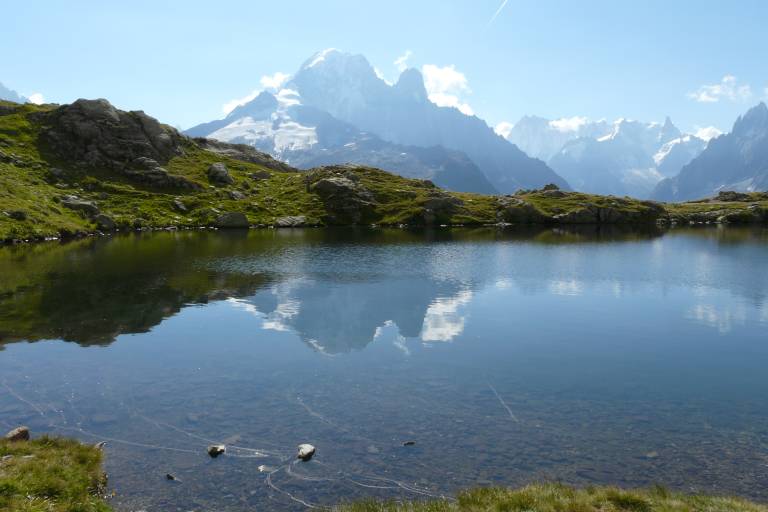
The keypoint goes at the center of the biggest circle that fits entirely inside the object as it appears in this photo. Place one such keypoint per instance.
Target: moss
(51, 474)
(561, 498)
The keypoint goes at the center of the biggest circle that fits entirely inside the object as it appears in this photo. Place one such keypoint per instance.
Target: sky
(701, 62)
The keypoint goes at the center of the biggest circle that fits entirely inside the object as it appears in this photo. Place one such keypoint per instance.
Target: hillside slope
(89, 167)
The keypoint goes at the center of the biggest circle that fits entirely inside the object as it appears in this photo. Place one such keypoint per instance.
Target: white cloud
(274, 81)
(504, 128)
(36, 98)
(728, 89)
(568, 124)
(445, 86)
(401, 63)
(707, 132)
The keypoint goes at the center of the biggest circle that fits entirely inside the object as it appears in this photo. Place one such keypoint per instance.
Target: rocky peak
(411, 85)
(95, 133)
(669, 131)
(259, 107)
(752, 124)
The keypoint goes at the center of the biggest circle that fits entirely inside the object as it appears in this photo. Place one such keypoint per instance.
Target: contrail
(498, 11)
(503, 403)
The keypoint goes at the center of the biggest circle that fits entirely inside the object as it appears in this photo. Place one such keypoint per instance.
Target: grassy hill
(88, 167)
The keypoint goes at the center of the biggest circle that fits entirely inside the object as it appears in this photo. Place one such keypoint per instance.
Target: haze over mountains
(336, 109)
(625, 157)
(736, 161)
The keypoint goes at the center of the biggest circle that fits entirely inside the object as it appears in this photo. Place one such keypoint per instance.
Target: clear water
(587, 357)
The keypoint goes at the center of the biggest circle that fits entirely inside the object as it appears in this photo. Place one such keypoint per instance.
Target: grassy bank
(35, 182)
(52, 475)
(561, 498)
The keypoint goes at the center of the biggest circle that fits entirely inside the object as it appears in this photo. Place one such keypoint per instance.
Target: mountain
(543, 138)
(11, 95)
(347, 87)
(737, 161)
(307, 137)
(630, 159)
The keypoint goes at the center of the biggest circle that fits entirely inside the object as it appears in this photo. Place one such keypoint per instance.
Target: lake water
(507, 357)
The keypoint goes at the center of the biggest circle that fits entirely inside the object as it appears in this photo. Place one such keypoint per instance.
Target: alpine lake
(418, 363)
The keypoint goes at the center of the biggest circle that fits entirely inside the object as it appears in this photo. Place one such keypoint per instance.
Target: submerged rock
(216, 449)
(305, 452)
(18, 434)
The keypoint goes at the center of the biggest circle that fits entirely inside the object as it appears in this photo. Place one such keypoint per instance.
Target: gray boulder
(289, 222)
(232, 220)
(305, 452)
(219, 174)
(104, 222)
(73, 203)
(514, 210)
(346, 200)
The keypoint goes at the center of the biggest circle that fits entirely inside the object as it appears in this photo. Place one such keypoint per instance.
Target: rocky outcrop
(648, 213)
(98, 134)
(290, 221)
(345, 199)
(513, 210)
(93, 133)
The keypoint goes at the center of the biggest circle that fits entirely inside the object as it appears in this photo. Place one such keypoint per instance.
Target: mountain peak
(259, 106)
(754, 122)
(411, 84)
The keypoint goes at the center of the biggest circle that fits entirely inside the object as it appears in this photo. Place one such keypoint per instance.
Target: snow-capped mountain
(10, 95)
(306, 137)
(542, 138)
(336, 109)
(736, 161)
(622, 158)
(347, 87)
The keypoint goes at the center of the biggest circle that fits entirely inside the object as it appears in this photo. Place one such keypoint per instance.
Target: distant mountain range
(308, 137)
(737, 161)
(621, 158)
(336, 109)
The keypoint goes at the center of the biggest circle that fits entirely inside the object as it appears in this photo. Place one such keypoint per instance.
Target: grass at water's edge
(51, 474)
(55, 474)
(562, 498)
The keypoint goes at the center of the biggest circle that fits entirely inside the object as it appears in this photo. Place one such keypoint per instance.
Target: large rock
(219, 174)
(232, 220)
(159, 177)
(290, 221)
(346, 200)
(97, 134)
(74, 203)
(18, 434)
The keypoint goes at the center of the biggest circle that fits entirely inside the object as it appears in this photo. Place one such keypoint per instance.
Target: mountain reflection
(338, 290)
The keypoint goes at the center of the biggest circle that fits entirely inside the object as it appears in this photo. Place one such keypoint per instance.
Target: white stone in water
(306, 451)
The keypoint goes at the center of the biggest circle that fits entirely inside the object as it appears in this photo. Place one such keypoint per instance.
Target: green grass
(52, 475)
(561, 498)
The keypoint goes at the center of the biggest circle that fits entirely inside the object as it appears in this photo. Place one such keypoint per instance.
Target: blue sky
(701, 62)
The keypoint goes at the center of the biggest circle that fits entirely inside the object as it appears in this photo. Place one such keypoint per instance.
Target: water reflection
(336, 288)
(588, 356)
